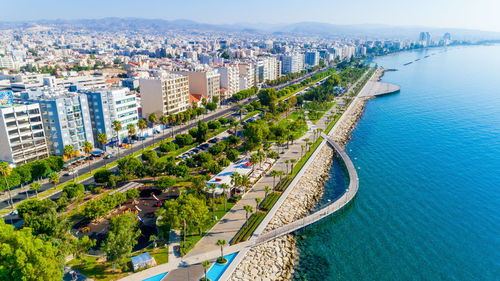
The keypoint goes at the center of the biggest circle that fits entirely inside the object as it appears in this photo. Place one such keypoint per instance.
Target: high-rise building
(203, 83)
(425, 39)
(168, 93)
(267, 69)
(108, 105)
(22, 134)
(65, 115)
(292, 63)
(311, 58)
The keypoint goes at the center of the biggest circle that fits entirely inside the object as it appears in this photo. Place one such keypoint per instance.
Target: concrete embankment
(274, 260)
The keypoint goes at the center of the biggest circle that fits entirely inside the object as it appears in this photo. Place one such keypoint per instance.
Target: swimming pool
(216, 271)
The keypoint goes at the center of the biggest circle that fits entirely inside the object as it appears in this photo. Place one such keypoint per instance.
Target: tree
(69, 151)
(102, 175)
(165, 183)
(83, 245)
(274, 174)
(152, 118)
(164, 122)
(257, 202)
(35, 186)
(26, 257)
(183, 139)
(235, 179)
(224, 187)
(292, 162)
(73, 190)
(117, 127)
(142, 125)
(266, 191)
(206, 266)
(232, 154)
(102, 139)
(254, 159)
(241, 108)
(248, 209)
(202, 132)
(87, 148)
(129, 165)
(54, 178)
(153, 238)
(6, 170)
(131, 131)
(280, 173)
(122, 237)
(213, 187)
(221, 243)
(286, 163)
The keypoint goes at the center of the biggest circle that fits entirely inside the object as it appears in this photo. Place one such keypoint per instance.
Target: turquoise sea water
(428, 159)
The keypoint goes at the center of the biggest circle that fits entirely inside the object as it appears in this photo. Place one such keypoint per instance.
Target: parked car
(204, 146)
(214, 140)
(108, 156)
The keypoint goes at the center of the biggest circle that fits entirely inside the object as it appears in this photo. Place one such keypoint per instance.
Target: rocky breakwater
(342, 132)
(274, 260)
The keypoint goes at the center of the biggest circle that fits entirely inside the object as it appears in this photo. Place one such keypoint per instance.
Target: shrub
(214, 125)
(184, 139)
(168, 146)
(73, 190)
(269, 202)
(232, 154)
(102, 175)
(132, 193)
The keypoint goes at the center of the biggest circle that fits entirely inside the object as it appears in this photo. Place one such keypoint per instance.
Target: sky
(477, 14)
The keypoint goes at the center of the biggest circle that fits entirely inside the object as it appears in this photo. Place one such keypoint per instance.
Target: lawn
(96, 270)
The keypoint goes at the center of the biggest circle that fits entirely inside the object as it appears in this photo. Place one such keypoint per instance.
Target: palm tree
(221, 243)
(69, 152)
(245, 181)
(206, 266)
(152, 118)
(54, 178)
(280, 173)
(172, 118)
(262, 157)
(241, 108)
(292, 161)
(307, 142)
(235, 179)
(142, 125)
(103, 139)
(301, 150)
(266, 190)
(286, 163)
(254, 159)
(248, 209)
(87, 148)
(6, 170)
(131, 131)
(274, 174)
(257, 202)
(164, 122)
(212, 187)
(224, 188)
(153, 238)
(35, 186)
(117, 127)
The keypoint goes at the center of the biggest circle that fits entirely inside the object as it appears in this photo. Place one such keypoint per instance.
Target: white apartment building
(203, 83)
(81, 82)
(108, 105)
(229, 79)
(267, 69)
(247, 75)
(166, 94)
(292, 63)
(22, 135)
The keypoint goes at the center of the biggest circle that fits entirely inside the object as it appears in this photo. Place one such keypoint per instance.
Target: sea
(428, 160)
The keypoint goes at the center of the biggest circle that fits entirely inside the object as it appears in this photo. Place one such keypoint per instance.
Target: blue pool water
(428, 159)
(216, 271)
(156, 278)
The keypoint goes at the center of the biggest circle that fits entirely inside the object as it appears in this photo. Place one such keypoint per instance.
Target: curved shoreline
(275, 260)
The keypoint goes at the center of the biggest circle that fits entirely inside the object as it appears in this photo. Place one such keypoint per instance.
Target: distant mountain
(362, 31)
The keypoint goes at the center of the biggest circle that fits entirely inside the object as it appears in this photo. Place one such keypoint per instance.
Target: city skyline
(438, 14)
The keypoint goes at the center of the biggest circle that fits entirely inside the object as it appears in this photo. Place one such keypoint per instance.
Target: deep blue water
(428, 158)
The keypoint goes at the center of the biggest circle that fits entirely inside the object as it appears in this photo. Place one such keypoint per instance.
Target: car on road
(108, 156)
(214, 140)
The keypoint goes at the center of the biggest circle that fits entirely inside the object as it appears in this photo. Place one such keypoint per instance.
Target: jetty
(375, 88)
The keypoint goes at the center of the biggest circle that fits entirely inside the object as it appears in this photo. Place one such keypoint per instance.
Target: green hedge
(247, 230)
(269, 202)
(283, 184)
